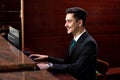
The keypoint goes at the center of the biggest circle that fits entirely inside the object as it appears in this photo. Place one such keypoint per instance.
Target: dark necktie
(72, 45)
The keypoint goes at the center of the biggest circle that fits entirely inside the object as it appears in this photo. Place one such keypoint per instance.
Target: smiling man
(73, 24)
(82, 50)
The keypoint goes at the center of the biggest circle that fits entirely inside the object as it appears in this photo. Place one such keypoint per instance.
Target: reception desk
(28, 75)
(12, 59)
(14, 65)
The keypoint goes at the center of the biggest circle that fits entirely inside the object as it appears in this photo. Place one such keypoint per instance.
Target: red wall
(45, 32)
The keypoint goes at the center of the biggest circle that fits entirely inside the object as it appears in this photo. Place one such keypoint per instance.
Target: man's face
(71, 23)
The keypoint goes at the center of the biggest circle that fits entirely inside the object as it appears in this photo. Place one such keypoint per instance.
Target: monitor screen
(14, 31)
(14, 37)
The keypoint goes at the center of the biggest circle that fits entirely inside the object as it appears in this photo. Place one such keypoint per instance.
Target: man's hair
(79, 13)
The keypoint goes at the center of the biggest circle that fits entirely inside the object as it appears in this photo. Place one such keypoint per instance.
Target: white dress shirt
(76, 38)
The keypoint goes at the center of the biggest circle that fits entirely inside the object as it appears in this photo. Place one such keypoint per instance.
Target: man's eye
(69, 21)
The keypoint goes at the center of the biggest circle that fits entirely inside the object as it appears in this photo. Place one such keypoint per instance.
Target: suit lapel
(70, 52)
(77, 46)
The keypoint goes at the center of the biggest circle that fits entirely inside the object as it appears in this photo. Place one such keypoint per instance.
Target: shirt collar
(76, 38)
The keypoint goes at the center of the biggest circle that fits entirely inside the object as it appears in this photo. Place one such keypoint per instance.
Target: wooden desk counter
(12, 59)
(64, 76)
(14, 65)
(28, 75)
(35, 75)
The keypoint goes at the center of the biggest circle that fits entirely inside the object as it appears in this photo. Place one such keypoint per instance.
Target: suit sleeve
(85, 60)
(87, 57)
(58, 64)
(55, 60)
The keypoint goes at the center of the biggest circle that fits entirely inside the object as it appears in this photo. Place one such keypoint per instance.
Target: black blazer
(81, 62)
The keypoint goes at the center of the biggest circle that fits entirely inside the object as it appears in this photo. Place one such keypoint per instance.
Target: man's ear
(80, 22)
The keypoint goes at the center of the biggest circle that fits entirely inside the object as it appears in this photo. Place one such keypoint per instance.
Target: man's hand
(38, 57)
(43, 66)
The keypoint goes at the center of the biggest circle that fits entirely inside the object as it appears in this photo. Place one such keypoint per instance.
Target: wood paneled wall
(10, 13)
(45, 32)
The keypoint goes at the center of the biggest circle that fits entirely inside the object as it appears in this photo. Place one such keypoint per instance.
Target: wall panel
(45, 32)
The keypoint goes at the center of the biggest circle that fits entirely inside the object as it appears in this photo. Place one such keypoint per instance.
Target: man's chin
(68, 32)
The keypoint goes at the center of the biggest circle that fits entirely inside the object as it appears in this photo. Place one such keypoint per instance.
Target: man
(82, 51)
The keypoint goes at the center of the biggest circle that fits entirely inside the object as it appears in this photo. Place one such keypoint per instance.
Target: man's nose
(65, 24)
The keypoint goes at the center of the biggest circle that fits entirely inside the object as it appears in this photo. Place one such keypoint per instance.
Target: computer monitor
(14, 37)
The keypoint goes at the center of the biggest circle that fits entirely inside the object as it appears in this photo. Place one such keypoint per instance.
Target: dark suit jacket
(81, 62)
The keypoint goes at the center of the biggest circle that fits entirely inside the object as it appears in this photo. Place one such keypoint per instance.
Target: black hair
(79, 13)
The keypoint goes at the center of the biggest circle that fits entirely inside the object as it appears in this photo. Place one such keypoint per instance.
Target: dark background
(45, 32)
(44, 25)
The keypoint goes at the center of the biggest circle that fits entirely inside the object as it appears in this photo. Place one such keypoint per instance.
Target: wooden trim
(22, 23)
